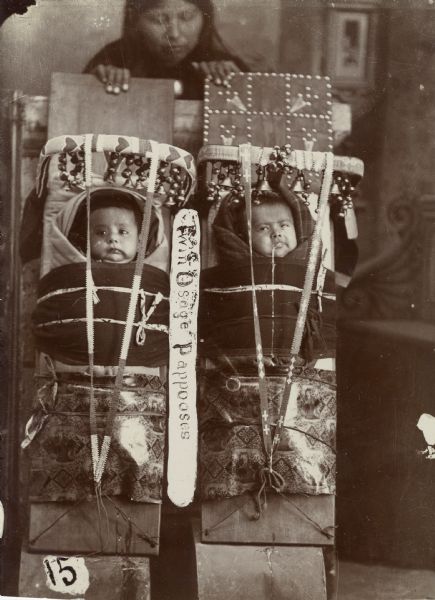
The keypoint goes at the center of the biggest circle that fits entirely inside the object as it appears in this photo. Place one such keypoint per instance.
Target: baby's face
(114, 235)
(273, 229)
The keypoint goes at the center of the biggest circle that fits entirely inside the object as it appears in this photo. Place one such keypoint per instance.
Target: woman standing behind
(166, 39)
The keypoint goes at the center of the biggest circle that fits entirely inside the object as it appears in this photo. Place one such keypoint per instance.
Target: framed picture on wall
(351, 46)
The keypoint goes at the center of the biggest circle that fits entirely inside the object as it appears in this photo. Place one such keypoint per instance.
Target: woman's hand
(116, 79)
(218, 70)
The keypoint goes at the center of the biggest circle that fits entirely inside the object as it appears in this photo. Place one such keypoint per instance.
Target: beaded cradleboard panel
(279, 114)
(269, 109)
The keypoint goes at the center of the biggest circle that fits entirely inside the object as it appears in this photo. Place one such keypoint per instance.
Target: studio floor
(373, 582)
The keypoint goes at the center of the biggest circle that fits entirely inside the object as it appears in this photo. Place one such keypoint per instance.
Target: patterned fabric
(231, 450)
(60, 454)
(122, 144)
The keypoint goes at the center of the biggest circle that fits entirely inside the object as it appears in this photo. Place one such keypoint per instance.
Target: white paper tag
(66, 575)
(183, 422)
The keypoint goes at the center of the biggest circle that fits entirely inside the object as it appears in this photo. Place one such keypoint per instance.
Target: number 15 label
(68, 575)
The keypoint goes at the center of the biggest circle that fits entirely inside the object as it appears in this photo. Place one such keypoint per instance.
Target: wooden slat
(79, 532)
(228, 572)
(79, 104)
(281, 522)
(109, 577)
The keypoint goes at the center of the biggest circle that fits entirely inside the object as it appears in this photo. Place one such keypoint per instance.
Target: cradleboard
(267, 392)
(96, 439)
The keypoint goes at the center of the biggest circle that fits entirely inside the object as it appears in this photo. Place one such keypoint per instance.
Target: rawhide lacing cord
(313, 256)
(245, 159)
(272, 293)
(91, 298)
(141, 329)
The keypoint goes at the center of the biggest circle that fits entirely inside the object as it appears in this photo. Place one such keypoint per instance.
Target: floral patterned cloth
(231, 451)
(60, 453)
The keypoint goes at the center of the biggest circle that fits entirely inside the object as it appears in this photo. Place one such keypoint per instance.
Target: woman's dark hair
(209, 43)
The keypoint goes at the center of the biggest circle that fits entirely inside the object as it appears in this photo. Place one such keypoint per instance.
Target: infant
(114, 232)
(273, 230)
(115, 223)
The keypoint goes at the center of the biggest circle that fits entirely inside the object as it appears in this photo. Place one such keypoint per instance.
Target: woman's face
(170, 29)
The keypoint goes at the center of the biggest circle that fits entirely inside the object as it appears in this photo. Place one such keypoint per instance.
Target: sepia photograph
(217, 316)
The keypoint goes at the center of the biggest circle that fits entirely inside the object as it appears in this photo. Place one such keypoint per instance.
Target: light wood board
(79, 530)
(79, 104)
(281, 522)
(230, 572)
(96, 577)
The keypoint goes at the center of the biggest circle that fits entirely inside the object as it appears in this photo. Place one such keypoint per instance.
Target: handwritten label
(183, 424)
(66, 575)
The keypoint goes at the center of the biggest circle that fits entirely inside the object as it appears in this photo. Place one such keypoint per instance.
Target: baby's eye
(101, 232)
(187, 15)
(262, 228)
(124, 231)
(154, 17)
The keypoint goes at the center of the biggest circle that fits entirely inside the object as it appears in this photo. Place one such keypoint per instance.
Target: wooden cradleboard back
(79, 104)
(128, 529)
(284, 520)
(255, 572)
(99, 578)
(269, 109)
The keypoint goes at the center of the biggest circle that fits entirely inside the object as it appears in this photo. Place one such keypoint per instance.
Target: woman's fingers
(125, 84)
(118, 76)
(226, 68)
(115, 79)
(218, 70)
(203, 67)
(100, 72)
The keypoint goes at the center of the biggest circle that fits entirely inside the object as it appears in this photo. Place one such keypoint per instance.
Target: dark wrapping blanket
(226, 321)
(60, 316)
(231, 450)
(60, 453)
(226, 312)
